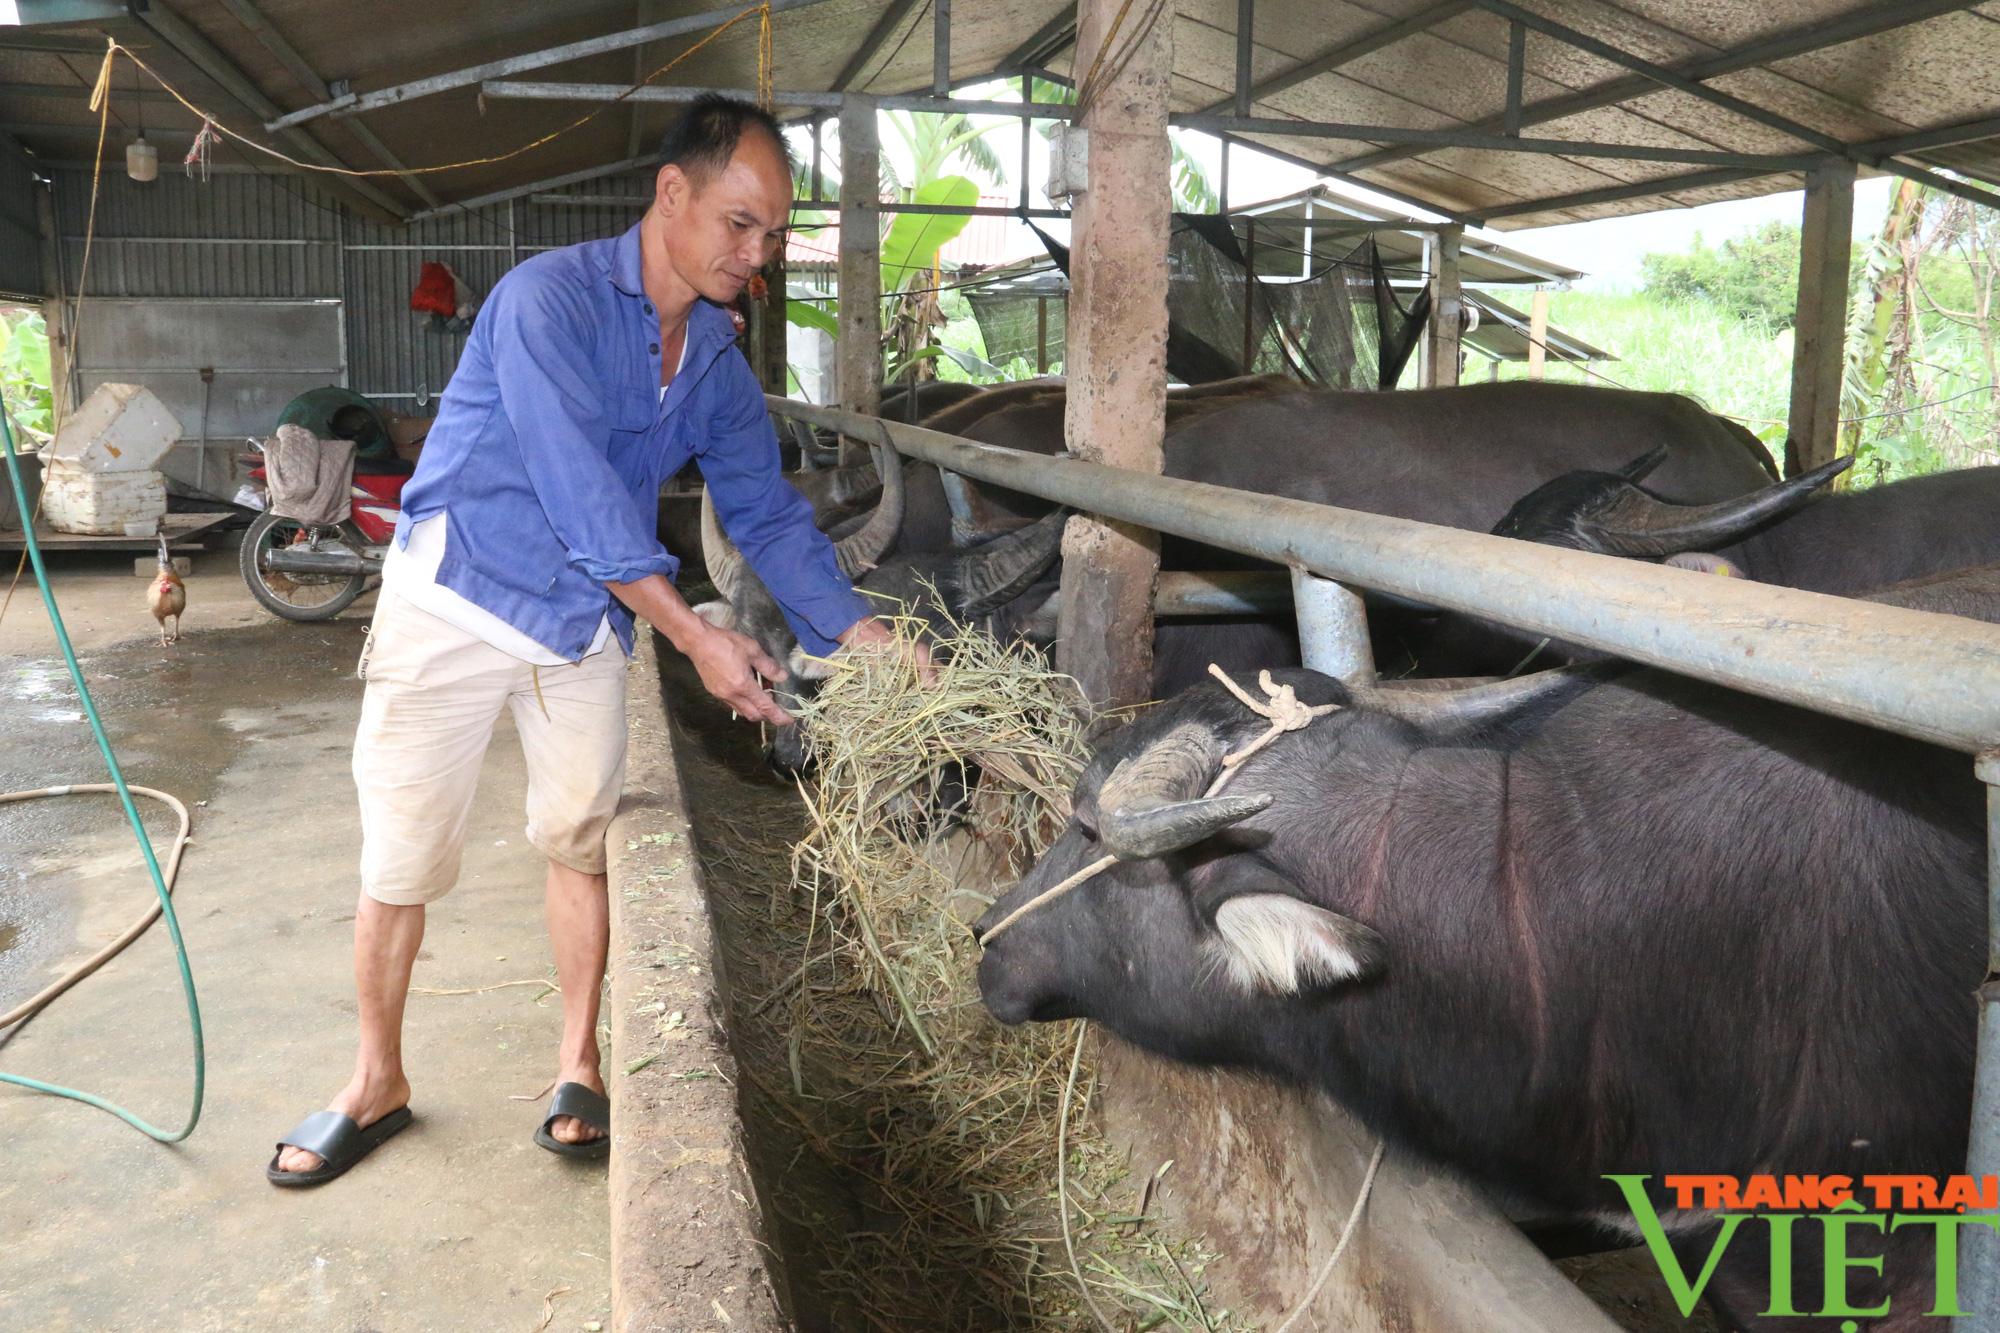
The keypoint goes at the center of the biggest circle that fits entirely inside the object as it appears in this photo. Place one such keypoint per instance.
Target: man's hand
(876, 631)
(729, 663)
(730, 666)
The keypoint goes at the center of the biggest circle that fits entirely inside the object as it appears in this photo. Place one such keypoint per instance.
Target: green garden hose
(138, 831)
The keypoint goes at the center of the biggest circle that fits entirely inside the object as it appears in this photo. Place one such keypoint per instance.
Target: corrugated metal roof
(1941, 71)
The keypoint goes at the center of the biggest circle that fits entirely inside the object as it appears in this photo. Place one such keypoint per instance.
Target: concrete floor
(460, 1222)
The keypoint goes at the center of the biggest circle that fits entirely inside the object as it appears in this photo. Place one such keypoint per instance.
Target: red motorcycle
(308, 572)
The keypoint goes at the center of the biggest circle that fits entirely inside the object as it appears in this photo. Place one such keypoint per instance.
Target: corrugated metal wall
(20, 232)
(231, 235)
(280, 237)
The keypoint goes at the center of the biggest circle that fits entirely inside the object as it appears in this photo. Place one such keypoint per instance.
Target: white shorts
(433, 695)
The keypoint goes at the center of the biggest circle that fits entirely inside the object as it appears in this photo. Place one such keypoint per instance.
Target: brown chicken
(167, 596)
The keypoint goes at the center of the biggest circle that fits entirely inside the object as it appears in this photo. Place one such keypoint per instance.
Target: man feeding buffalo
(525, 550)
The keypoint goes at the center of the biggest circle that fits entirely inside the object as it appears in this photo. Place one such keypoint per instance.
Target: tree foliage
(1753, 277)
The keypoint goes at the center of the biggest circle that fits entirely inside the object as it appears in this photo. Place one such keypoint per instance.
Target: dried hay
(955, 1124)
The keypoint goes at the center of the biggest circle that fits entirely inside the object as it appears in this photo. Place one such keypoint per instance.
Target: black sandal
(339, 1142)
(592, 1108)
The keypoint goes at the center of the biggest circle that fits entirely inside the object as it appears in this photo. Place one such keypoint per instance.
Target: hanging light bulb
(142, 160)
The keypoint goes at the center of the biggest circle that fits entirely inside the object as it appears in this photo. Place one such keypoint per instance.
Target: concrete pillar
(1117, 355)
(1819, 340)
(1447, 310)
(859, 353)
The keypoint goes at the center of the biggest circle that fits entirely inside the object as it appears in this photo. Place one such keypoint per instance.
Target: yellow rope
(766, 86)
(113, 47)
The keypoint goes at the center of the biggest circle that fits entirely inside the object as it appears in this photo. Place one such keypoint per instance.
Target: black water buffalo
(1449, 456)
(902, 402)
(1842, 543)
(943, 509)
(1548, 930)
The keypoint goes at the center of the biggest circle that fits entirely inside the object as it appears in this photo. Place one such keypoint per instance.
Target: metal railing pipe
(1333, 629)
(1978, 1248)
(1848, 658)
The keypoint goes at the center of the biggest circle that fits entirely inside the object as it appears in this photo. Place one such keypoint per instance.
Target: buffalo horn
(1642, 467)
(834, 489)
(1461, 708)
(1633, 523)
(724, 562)
(992, 575)
(864, 549)
(1152, 804)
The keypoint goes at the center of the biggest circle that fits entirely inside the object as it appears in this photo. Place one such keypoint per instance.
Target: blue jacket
(551, 445)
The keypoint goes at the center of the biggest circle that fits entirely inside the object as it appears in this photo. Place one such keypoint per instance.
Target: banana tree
(909, 270)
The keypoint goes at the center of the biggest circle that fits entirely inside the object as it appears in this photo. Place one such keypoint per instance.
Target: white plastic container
(102, 504)
(119, 428)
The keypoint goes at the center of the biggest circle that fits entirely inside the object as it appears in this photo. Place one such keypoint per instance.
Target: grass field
(1729, 366)
(1738, 369)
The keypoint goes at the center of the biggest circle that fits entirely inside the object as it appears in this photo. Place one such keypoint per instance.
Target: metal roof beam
(1661, 75)
(204, 56)
(1493, 142)
(1387, 192)
(532, 187)
(1611, 194)
(1246, 41)
(1868, 20)
(1350, 51)
(299, 68)
(1971, 193)
(1943, 136)
(1050, 40)
(81, 92)
(87, 129)
(529, 90)
(14, 39)
(355, 103)
(878, 35)
(941, 47)
(1218, 125)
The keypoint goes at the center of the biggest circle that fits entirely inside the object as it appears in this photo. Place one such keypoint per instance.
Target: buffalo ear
(1276, 942)
(719, 614)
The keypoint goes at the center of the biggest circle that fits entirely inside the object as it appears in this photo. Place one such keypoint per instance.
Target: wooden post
(859, 354)
(1041, 335)
(1819, 338)
(1117, 355)
(1249, 296)
(1447, 311)
(55, 310)
(773, 352)
(1538, 334)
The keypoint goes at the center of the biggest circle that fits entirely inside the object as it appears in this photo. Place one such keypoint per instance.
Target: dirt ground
(459, 1223)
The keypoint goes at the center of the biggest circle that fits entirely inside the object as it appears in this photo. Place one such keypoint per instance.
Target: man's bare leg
(386, 939)
(580, 933)
(385, 951)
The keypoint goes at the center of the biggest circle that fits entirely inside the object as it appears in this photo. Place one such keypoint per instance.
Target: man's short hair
(704, 138)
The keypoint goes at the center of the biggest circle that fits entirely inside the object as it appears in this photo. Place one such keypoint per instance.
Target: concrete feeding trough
(706, 1179)
(100, 475)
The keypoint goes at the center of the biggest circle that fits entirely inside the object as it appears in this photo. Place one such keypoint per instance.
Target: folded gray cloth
(307, 478)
